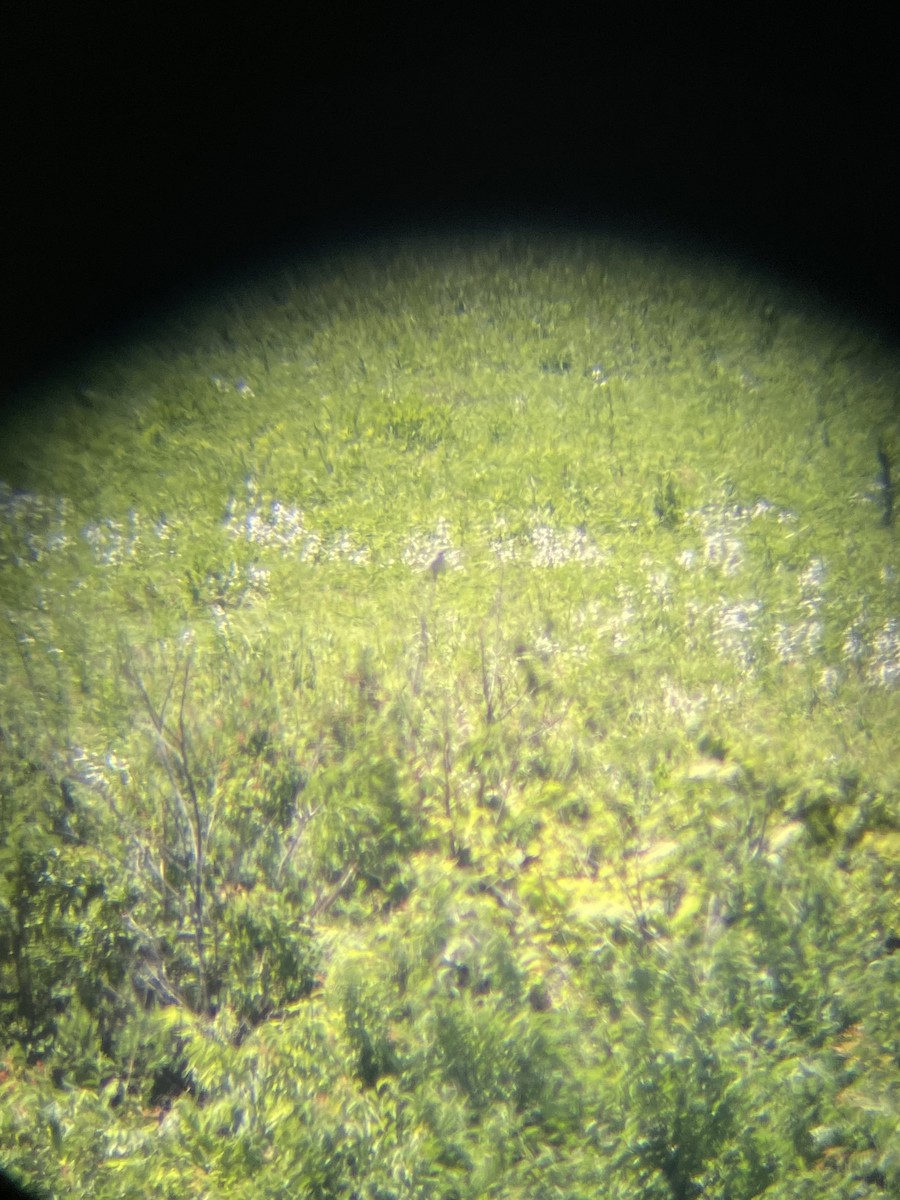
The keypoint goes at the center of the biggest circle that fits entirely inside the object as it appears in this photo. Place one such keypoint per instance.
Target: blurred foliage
(448, 746)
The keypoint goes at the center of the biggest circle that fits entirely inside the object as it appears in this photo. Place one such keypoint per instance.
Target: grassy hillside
(448, 741)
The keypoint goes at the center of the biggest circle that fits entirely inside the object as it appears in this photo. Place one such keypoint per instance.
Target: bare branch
(292, 845)
(326, 899)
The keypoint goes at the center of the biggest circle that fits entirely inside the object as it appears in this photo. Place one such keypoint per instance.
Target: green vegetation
(448, 744)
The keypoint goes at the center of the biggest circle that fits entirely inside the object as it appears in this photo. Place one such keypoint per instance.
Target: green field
(449, 740)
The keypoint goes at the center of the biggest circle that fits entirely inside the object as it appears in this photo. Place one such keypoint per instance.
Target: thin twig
(324, 902)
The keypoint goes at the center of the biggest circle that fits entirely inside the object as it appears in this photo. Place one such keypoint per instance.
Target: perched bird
(438, 564)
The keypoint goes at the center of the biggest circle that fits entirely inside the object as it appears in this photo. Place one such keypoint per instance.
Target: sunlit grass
(557, 569)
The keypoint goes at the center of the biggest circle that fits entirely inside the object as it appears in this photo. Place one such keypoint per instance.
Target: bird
(438, 564)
